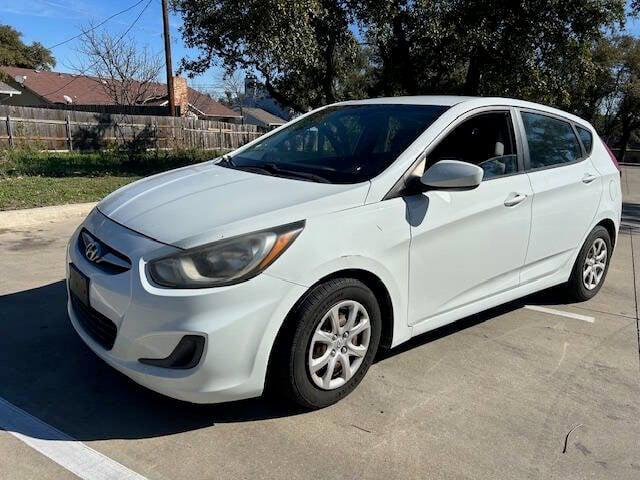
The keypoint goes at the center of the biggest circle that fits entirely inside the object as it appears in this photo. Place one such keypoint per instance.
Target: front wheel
(336, 332)
(591, 266)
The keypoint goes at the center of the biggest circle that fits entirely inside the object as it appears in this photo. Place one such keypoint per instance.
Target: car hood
(203, 203)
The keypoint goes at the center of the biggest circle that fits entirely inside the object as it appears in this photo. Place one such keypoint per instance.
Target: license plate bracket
(79, 284)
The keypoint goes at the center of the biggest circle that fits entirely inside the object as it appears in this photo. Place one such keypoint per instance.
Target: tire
(307, 339)
(582, 289)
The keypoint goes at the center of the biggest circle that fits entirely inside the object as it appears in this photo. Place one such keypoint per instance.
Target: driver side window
(486, 140)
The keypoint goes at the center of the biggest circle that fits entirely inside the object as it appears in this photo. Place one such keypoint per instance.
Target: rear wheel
(591, 266)
(333, 340)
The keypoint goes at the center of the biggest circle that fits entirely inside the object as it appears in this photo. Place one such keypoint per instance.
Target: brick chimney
(181, 95)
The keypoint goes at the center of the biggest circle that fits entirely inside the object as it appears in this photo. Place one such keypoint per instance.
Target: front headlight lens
(225, 262)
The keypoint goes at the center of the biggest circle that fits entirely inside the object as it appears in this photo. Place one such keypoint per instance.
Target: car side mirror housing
(452, 174)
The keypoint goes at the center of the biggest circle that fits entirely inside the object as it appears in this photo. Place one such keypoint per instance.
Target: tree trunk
(474, 74)
(624, 140)
(329, 74)
(400, 59)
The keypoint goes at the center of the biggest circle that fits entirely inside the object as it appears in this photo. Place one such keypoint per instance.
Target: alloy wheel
(339, 345)
(594, 264)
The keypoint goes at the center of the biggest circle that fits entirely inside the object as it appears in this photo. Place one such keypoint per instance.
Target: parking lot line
(560, 313)
(67, 452)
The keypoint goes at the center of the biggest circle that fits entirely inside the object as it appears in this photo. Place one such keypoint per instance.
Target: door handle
(589, 177)
(514, 199)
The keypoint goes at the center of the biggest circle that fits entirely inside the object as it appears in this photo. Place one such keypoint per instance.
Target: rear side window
(551, 141)
(586, 137)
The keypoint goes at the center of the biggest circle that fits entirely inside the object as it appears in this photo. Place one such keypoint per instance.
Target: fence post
(155, 134)
(69, 138)
(10, 132)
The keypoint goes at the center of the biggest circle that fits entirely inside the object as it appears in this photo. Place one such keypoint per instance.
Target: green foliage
(538, 49)
(304, 49)
(308, 54)
(14, 52)
(620, 119)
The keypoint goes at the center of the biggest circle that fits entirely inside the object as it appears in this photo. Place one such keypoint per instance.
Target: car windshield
(341, 144)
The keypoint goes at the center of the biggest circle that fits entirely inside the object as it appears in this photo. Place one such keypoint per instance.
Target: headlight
(225, 262)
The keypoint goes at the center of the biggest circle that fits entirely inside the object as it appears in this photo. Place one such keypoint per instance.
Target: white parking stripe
(560, 313)
(67, 452)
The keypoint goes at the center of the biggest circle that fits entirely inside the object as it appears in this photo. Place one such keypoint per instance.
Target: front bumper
(239, 322)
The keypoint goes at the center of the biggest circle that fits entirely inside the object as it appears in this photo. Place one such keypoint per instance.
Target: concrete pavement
(16, 219)
(495, 395)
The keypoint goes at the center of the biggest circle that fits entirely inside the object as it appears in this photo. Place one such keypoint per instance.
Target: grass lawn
(36, 191)
(37, 179)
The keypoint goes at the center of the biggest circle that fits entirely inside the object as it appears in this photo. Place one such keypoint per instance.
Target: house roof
(52, 87)
(8, 90)
(208, 106)
(264, 116)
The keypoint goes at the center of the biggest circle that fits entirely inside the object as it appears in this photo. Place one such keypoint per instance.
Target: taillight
(613, 157)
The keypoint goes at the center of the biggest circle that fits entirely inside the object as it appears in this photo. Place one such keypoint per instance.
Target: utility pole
(167, 55)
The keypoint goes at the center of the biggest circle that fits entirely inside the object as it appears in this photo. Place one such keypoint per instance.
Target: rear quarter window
(551, 141)
(587, 139)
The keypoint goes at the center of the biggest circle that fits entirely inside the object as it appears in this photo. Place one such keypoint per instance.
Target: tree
(233, 86)
(126, 71)
(304, 50)
(313, 52)
(537, 50)
(621, 108)
(14, 52)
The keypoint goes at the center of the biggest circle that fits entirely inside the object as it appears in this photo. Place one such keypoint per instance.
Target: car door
(469, 245)
(566, 192)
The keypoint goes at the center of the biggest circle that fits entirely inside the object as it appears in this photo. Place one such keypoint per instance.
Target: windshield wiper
(272, 170)
(226, 160)
(275, 169)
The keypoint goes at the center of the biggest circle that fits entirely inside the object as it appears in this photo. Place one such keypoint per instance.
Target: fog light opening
(186, 355)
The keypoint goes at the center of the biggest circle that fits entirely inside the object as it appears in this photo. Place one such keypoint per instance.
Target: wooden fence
(53, 129)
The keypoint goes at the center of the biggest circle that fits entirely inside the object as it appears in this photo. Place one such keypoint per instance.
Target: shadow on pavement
(46, 370)
(631, 215)
(551, 296)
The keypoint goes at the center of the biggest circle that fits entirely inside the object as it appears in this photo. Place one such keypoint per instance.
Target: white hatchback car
(290, 261)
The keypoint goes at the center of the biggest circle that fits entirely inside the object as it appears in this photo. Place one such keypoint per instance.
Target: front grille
(107, 259)
(97, 326)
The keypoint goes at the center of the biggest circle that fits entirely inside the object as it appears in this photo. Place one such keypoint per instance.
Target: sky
(53, 21)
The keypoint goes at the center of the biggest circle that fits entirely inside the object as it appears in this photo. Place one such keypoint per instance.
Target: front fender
(372, 238)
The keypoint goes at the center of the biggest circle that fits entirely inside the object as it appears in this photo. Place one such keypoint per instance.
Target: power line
(96, 26)
(85, 70)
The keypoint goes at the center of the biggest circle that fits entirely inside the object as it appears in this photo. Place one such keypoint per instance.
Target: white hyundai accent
(292, 260)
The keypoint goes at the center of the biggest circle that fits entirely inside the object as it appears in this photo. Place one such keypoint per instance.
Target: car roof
(443, 100)
(469, 102)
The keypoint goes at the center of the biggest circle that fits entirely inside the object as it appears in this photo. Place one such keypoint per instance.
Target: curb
(10, 219)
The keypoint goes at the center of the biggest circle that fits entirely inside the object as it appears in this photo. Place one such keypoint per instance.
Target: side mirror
(452, 174)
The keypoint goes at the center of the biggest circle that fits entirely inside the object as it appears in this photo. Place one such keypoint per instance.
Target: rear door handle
(589, 177)
(514, 199)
